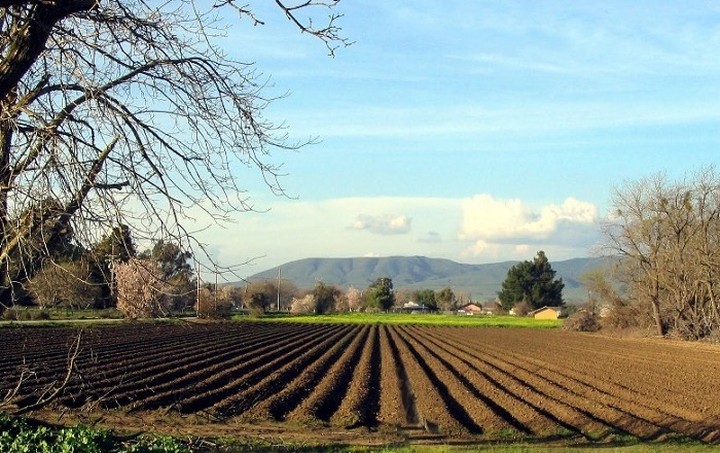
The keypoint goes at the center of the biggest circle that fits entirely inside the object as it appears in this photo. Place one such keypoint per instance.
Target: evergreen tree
(532, 282)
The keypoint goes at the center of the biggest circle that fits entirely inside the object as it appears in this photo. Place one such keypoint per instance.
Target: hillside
(482, 281)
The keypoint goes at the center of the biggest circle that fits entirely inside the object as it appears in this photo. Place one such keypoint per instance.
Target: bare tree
(669, 235)
(126, 112)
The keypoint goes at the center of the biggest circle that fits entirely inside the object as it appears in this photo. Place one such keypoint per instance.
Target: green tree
(532, 282)
(325, 297)
(173, 261)
(380, 294)
(427, 298)
(117, 245)
(446, 299)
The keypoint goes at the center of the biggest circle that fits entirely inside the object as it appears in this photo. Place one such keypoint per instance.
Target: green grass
(417, 319)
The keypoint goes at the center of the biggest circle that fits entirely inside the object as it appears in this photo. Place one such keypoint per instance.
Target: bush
(622, 315)
(213, 306)
(582, 321)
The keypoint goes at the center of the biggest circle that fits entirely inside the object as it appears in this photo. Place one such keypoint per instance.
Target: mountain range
(481, 281)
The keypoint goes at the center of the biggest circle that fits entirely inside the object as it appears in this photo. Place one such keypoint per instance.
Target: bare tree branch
(127, 112)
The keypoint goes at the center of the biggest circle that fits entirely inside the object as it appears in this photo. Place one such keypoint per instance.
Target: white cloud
(382, 224)
(500, 227)
(487, 218)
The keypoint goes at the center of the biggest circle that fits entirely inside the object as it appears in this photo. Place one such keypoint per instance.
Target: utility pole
(197, 287)
(278, 290)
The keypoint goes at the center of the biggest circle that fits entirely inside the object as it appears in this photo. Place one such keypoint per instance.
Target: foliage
(354, 299)
(117, 245)
(380, 294)
(24, 315)
(533, 282)
(70, 284)
(175, 270)
(325, 297)
(446, 299)
(262, 295)
(172, 260)
(141, 291)
(668, 233)
(426, 298)
(18, 435)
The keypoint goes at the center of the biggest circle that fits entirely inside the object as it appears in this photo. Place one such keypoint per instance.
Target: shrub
(582, 321)
(622, 315)
(140, 289)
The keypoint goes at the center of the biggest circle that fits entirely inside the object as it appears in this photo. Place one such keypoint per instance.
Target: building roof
(545, 308)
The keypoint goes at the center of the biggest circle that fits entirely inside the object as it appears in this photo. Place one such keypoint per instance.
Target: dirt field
(372, 383)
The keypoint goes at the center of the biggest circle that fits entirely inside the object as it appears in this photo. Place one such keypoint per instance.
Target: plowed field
(450, 383)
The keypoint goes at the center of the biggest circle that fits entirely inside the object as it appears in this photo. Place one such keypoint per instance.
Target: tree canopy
(532, 282)
(127, 112)
(380, 294)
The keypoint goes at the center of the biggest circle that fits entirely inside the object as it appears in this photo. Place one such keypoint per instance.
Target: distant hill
(482, 281)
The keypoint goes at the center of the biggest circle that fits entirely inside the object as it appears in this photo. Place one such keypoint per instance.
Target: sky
(476, 131)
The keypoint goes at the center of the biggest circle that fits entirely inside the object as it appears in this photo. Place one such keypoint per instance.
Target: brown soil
(370, 384)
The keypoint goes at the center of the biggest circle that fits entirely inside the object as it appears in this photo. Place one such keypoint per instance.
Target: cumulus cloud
(488, 218)
(494, 225)
(382, 224)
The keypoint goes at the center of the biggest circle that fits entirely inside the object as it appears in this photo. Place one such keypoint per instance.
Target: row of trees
(283, 295)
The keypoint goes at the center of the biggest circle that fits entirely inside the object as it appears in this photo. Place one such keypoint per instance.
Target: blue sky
(477, 131)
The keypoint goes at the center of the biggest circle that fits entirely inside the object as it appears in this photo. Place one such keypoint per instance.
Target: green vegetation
(532, 282)
(405, 318)
(39, 314)
(20, 435)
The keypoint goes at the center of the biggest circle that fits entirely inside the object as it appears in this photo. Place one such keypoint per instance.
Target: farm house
(471, 309)
(547, 313)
